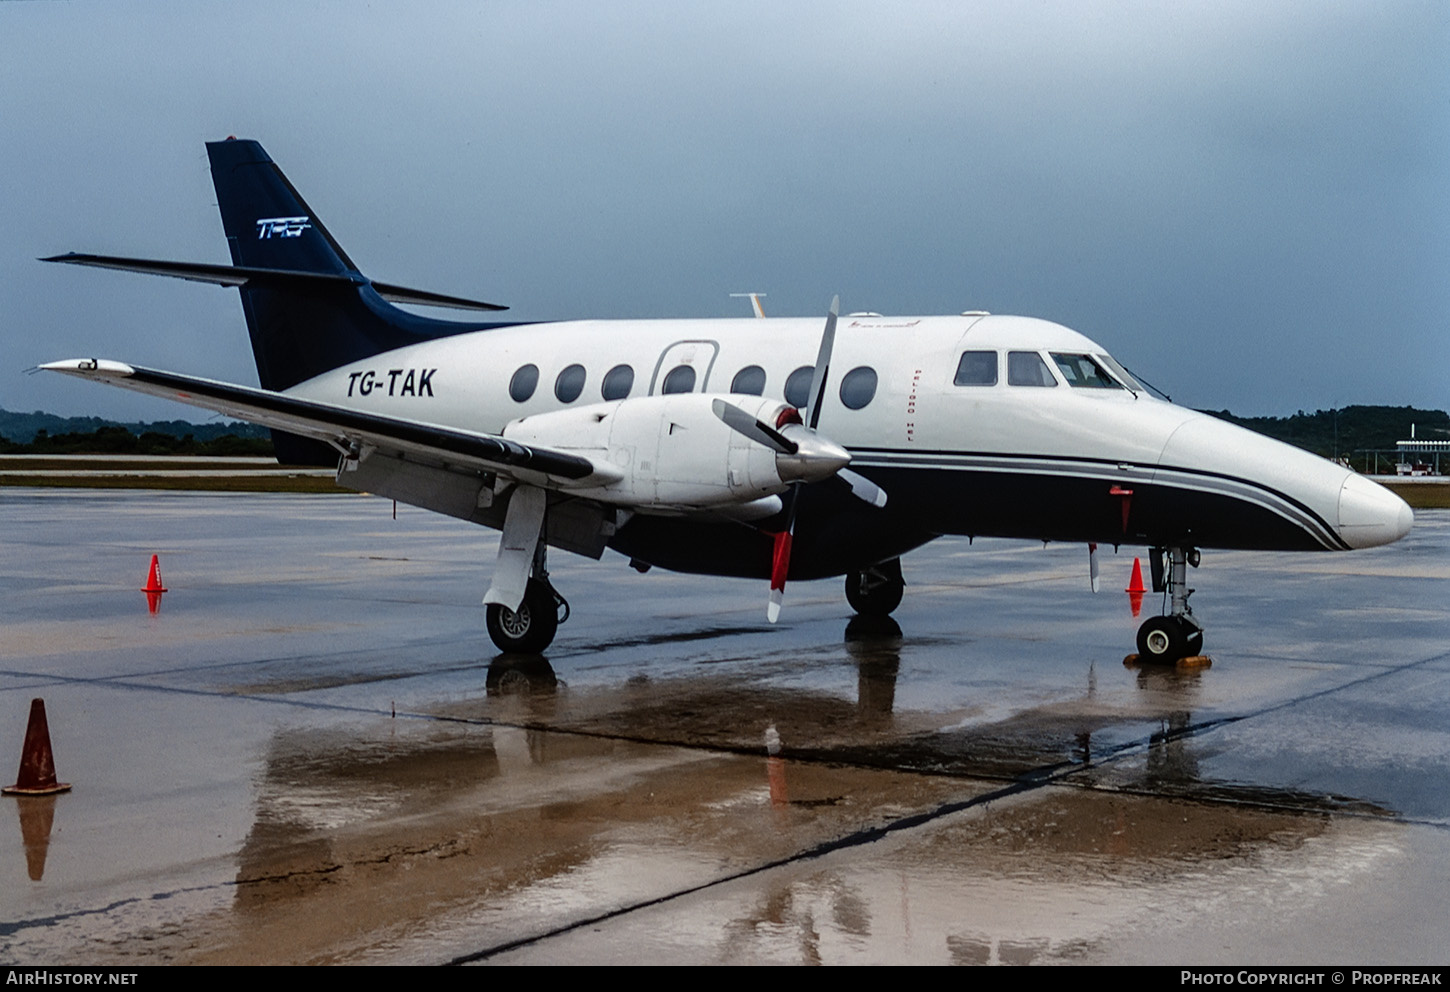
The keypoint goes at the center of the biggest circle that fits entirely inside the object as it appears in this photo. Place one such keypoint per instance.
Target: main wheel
(530, 628)
(1164, 640)
(877, 590)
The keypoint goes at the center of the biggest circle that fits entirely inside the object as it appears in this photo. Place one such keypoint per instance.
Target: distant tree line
(1348, 429)
(23, 427)
(117, 440)
(1325, 432)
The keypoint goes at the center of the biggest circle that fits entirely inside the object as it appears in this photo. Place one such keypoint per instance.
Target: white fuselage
(1054, 460)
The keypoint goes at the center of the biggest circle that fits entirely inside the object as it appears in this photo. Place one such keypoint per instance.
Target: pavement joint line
(8, 928)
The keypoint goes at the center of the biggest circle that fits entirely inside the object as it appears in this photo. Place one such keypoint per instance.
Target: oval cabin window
(618, 381)
(858, 387)
(798, 386)
(749, 381)
(524, 382)
(569, 384)
(680, 380)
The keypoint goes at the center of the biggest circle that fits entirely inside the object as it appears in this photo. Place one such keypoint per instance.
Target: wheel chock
(37, 763)
(1193, 661)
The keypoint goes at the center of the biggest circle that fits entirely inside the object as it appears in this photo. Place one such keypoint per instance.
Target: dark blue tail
(308, 308)
(302, 327)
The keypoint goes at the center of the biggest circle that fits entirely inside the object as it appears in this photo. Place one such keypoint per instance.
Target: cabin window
(1082, 372)
(1026, 368)
(618, 381)
(569, 384)
(977, 368)
(524, 382)
(858, 387)
(798, 386)
(680, 380)
(750, 381)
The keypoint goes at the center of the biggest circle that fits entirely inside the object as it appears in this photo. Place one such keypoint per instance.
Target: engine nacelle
(664, 453)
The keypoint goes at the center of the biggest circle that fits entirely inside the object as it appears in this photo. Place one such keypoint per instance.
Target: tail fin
(329, 313)
(302, 327)
(267, 223)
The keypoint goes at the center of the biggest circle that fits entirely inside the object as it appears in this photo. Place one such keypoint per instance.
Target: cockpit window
(1121, 373)
(977, 368)
(1082, 371)
(1026, 368)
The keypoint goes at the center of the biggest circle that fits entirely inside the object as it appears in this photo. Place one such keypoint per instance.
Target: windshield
(1121, 373)
(1082, 371)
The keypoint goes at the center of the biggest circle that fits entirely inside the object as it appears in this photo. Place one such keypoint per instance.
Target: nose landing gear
(1167, 639)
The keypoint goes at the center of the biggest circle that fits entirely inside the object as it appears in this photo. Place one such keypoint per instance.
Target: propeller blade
(1093, 565)
(863, 488)
(743, 423)
(823, 364)
(779, 566)
(828, 458)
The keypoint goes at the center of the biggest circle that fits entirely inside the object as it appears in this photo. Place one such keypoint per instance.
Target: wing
(350, 431)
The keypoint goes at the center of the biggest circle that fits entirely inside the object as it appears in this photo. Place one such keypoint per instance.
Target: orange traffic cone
(154, 588)
(153, 580)
(1135, 588)
(37, 764)
(1135, 584)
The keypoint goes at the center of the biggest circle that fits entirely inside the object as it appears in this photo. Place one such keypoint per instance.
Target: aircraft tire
(1163, 640)
(877, 591)
(531, 628)
(1193, 640)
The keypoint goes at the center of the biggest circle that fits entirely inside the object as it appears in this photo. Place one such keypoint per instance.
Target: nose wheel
(1177, 635)
(1167, 639)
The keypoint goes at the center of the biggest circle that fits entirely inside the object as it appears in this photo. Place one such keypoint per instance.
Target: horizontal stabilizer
(240, 275)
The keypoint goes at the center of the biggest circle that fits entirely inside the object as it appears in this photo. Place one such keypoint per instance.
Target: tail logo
(282, 227)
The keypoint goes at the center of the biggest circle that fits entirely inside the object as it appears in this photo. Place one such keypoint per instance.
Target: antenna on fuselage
(754, 302)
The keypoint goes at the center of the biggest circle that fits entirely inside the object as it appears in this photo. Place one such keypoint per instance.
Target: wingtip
(82, 366)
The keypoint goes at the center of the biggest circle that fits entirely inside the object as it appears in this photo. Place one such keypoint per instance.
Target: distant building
(1416, 457)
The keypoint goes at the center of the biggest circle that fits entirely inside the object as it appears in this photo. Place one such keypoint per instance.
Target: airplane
(769, 448)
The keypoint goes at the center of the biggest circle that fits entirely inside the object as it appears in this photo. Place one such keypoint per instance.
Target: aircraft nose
(1371, 515)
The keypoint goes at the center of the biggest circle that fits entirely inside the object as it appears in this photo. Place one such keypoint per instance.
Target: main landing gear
(876, 590)
(531, 628)
(1166, 639)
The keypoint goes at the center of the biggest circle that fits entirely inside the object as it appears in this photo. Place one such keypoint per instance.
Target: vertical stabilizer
(301, 328)
(267, 223)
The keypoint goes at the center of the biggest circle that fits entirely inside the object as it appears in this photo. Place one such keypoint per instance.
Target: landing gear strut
(1167, 639)
(876, 590)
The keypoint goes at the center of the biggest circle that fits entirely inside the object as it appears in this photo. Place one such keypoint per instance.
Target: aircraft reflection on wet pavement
(663, 781)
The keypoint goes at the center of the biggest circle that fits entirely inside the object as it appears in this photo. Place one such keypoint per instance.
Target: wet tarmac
(310, 753)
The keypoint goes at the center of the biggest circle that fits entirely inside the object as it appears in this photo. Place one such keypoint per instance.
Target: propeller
(802, 456)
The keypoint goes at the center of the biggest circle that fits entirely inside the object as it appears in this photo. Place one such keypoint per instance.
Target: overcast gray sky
(1247, 202)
